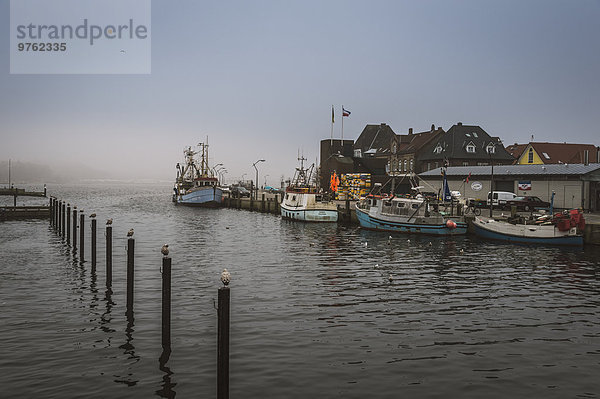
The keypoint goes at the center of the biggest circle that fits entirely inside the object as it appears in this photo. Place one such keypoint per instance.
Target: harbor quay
(270, 203)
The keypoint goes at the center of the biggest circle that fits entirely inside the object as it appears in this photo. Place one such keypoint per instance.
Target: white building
(574, 185)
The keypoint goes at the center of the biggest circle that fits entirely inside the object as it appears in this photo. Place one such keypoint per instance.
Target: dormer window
(357, 153)
(491, 149)
(474, 134)
(471, 147)
(438, 149)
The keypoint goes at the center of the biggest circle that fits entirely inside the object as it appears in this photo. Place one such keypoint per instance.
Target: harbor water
(317, 310)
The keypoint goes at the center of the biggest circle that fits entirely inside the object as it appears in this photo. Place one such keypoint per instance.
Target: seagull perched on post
(108, 222)
(93, 215)
(225, 277)
(130, 233)
(165, 249)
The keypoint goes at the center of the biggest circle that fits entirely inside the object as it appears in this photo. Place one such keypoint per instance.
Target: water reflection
(129, 350)
(167, 385)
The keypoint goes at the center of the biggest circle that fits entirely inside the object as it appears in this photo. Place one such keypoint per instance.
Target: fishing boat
(406, 215)
(565, 228)
(303, 201)
(409, 214)
(196, 184)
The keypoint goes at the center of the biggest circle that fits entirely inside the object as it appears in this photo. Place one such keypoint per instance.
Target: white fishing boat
(303, 201)
(559, 229)
(196, 184)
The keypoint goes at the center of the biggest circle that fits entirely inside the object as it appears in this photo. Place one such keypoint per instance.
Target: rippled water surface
(316, 310)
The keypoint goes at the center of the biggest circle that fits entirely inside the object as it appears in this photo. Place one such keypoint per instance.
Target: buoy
(450, 224)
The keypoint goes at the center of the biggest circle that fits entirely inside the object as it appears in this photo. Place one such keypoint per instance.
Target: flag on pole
(332, 117)
(468, 177)
(345, 112)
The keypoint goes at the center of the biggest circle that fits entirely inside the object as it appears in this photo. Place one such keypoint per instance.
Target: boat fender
(450, 224)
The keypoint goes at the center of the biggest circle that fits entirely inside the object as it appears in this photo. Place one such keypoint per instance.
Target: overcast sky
(259, 79)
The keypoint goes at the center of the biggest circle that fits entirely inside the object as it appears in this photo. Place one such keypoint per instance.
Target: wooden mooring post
(130, 258)
(93, 239)
(74, 228)
(166, 297)
(108, 253)
(57, 215)
(81, 235)
(51, 204)
(68, 223)
(64, 209)
(223, 316)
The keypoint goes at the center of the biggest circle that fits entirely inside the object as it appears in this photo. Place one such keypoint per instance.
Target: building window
(428, 165)
(491, 148)
(530, 160)
(357, 153)
(437, 165)
(465, 164)
(471, 147)
(411, 165)
(405, 165)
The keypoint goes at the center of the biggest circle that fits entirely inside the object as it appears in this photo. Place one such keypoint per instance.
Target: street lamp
(221, 173)
(255, 168)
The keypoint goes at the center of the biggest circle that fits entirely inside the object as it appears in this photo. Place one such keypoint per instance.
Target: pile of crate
(353, 186)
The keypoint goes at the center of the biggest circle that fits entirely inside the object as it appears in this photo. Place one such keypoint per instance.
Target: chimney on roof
(410, 130)
(459, 123)
(383, 124)
(432, 127)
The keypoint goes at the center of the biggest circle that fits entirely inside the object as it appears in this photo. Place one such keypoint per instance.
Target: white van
(500, 197)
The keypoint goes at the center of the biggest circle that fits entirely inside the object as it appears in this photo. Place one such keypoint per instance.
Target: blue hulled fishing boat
(196, 184)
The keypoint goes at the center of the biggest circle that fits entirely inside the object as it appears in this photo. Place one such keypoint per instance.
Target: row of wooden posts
(60, 220)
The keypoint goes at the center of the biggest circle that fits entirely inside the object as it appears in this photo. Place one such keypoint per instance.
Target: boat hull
(204, 197)
(371, 222)
(309, 215)
(525, 234)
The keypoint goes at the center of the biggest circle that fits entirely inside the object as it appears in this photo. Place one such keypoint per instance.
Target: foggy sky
(259, 79)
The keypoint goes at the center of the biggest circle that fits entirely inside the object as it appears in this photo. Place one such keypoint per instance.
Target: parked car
(239, 192)
(528, 203)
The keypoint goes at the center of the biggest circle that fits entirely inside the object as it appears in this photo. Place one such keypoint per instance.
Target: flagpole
(342, 126)
(331, 140)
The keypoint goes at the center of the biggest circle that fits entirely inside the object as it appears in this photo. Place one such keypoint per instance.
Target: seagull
(312, 244)
(225, 277)
(130, 233)
(389, 240)
(165, 249)
(390, 278)
(366, 244)
(93, 215)
(462, 251)
(408, 241)
(108, 222)
(430, 244)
